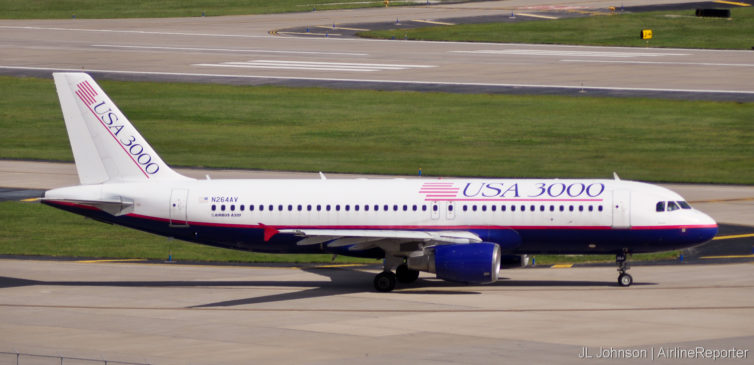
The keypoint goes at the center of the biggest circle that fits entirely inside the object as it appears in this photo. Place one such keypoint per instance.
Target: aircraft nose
(708, 227)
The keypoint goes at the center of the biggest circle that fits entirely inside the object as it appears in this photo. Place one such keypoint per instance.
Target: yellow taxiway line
(732, 3)
(733, 236)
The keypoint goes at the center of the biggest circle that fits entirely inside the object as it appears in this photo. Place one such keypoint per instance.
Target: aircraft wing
(388, 240)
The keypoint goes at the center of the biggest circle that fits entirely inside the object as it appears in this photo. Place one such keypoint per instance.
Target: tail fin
(106, 147)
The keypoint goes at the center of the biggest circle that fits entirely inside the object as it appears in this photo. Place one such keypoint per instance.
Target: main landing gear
(624, 279)
(385, 281)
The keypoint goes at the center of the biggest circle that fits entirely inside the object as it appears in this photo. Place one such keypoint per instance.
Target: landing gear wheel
(406, 275)
(384, 281)
(625, 280)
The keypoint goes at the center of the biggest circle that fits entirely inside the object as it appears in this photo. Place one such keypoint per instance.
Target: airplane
(462, 230)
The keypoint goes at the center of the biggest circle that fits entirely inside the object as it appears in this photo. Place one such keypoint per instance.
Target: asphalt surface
(240, 50)
(181, 314)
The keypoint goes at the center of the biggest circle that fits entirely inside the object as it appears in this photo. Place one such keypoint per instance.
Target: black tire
(406, 275)
(625, 280)
(384, 281)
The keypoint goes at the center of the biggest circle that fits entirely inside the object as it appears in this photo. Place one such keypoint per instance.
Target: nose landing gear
(624, 279)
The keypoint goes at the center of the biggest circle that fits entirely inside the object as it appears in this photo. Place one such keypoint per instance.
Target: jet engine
(477, 263)
(513, 261)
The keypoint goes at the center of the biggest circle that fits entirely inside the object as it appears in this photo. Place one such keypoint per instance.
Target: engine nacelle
(477, 263)
(513, 261)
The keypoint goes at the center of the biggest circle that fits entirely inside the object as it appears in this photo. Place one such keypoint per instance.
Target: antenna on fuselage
(615, 176)
(322, 176)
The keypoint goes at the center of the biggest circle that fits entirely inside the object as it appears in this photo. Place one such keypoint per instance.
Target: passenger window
(434, 208)
(523, 208)
(309, 207)
(502, 208)
(513, 208)
(552, 208)
(405, 207)
(327, 207)
(450, 207)
(591, 208)
(214, 207)
(271, 208)
(280, 207)
(424, 208)
(581, 208)
(493, 207)
(290, 207)
(473, 207)
(484, 208)
(673, 206)
(562, 208)
(348, 207)
(541, 208)
(242, 207)
(660, 207)
(366, 207)
(356, 207)
(413, 207)
(376, 208)
(261, 208)
(599, 207)
(570, 208)
(222, 207)
(532, 208)
(298, 207)
(395, 207)
(465, 208)
(232, 207)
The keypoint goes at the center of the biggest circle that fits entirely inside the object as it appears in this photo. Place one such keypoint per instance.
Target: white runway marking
(238, 50)
(407, 82)
(57, 29)
(313, 66)
(668, 63)
(564, 53)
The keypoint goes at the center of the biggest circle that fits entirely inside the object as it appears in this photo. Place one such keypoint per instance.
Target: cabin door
(621, 209)
(178, 202)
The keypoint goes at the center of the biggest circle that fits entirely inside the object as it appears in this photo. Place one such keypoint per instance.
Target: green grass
(398, 132)
(57, 9)
(678, 29)
(68, 235)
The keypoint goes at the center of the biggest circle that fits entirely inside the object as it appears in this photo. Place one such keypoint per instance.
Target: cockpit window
(673, 206)
(684, 205)
(660, 206)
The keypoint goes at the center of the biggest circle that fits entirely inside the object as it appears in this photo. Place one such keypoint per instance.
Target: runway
(239, 50)
(176, 314)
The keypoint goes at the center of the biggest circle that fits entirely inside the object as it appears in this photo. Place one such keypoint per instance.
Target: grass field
(52, 9)
(678, 29)
(68, 235)
(400, 132)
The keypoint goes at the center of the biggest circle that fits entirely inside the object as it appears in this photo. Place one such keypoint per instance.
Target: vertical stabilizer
(106, 147)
